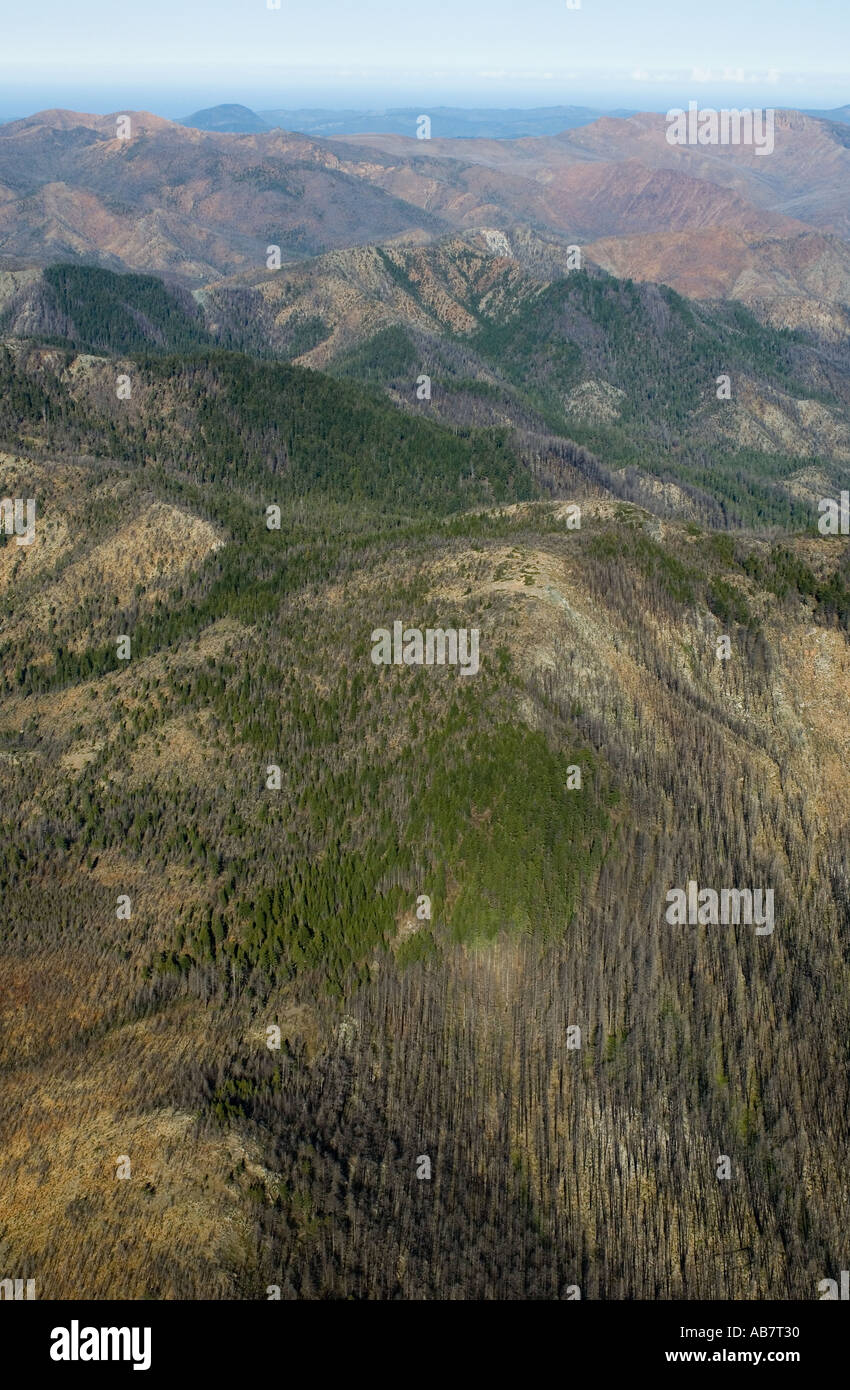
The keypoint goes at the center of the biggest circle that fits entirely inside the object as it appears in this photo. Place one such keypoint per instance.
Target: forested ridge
(625, 372)
(655, 359)
(542, 809)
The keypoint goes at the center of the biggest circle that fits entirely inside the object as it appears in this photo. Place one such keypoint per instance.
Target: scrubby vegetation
(431, 901)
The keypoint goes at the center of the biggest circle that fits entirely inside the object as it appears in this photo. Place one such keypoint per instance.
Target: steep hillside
(792, 282)
(691, 408)
(426, 901)
(95, 309)
(804, 178)
(135, 192)
(642, 378)
(176, 201)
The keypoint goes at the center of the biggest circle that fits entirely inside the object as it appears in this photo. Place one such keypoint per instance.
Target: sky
(174, 56)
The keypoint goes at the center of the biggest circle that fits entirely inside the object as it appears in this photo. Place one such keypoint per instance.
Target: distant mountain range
(175, 201)
(839, 113)
(395, 250)
(446, 121)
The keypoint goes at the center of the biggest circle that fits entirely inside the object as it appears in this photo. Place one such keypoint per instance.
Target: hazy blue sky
(173, 55)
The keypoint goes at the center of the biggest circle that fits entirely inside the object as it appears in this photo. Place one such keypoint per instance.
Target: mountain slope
(804, 178)
(297, 907)
(628, 372)
(178, 201)
(95, 309)
(795, 281)
(194, 204)
(616, 380)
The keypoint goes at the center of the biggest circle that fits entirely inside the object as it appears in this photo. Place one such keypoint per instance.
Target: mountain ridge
(194, 205)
